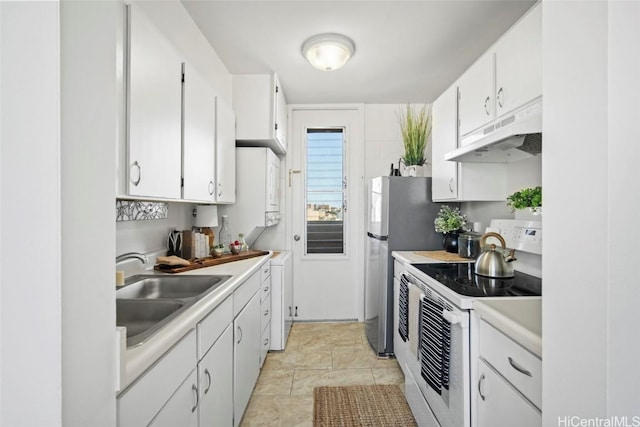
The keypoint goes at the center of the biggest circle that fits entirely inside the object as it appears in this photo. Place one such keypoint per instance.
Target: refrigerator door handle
(375, 236)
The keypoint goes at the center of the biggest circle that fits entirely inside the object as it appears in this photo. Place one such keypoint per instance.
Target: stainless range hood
(512, 138)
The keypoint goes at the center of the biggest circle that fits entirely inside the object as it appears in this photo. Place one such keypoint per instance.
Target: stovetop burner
(461, 278)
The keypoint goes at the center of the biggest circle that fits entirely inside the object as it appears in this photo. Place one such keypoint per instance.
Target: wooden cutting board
(209, 262)
(444, 256)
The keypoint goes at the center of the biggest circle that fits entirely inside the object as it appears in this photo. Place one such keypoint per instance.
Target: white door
(325, 182)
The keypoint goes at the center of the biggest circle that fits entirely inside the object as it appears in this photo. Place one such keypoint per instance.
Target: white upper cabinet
(519, 63)
(460, 181)
(261, 111)
(198, 156)
(476, 94)
(225, 153)
(444, 138)
(506, 77)
(155, 109)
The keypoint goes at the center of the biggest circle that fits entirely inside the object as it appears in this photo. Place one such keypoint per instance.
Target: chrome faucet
(131, 255)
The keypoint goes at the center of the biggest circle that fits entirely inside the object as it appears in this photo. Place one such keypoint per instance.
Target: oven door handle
(453, 318)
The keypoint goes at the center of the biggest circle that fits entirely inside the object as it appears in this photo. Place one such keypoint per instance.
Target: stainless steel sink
(143, 318)
(150, 286)
(148, 302)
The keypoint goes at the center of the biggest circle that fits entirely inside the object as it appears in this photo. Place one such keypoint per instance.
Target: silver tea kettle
(492, 263)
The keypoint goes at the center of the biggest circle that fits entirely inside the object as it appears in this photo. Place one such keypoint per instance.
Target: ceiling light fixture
(328, 52)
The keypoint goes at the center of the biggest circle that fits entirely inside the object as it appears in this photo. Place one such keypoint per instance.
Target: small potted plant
(450, 222)
(416, 128)
(526, 203)
(217, 251)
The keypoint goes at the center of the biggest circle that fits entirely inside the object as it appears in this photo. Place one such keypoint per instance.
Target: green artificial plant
(449, 220)
(416, 128)
(525, 198)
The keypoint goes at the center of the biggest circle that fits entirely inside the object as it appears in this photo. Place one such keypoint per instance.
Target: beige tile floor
(317, 354)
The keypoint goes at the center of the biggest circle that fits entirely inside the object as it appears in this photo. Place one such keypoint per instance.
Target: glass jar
(243, 244)
(469, 244)
(224, 236)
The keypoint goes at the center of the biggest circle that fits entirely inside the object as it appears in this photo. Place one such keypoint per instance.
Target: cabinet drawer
(398, 269)
(143, 399)
(212, 326)
(243, 294)
(265, 271)
(265, 313)
(521, 368)
(265, 343)
(265, 290)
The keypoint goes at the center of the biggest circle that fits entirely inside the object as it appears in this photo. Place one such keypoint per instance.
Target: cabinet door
(281, 116)
(499, 404)
(182, 408)
(476, 100)
(225, 153)
(519, 63)
(273, 182)
(198, 155)
(444, 137)
(215, 381)
(246, 350)
(155, 109)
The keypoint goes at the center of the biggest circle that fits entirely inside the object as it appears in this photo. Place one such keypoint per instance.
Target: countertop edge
(511, 327)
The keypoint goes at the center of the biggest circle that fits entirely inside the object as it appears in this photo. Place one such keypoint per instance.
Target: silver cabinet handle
(211, 187)
(219, 189)
(480, 381)
(266, 341)
(296, 237)
(135, 182)
(486, 106)
(266, 289)
(239, 333)
(266, 312)
(195, 390)
(296, 314)
(519, 368)
(499, 97)
(208, 374)
(451, 182)
(290, 312)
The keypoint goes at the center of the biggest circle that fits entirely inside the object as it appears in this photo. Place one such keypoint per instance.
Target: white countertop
(518, 318)
(135, 360)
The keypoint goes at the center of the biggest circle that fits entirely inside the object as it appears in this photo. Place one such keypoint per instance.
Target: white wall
(591, 86)
(30, 238)
(91, 37)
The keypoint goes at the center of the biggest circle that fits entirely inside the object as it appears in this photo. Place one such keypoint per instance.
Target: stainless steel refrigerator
(400, 217)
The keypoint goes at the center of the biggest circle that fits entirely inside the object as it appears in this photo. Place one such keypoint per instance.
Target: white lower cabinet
(182, 408)
(207, 378)
(500, 405)
(215, 382)
(246, 355)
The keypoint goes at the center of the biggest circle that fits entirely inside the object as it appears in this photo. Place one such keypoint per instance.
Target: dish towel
(435, 345)
(403, 309)
(415, 294)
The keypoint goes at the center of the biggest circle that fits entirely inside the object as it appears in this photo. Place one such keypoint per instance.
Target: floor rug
(361, 405)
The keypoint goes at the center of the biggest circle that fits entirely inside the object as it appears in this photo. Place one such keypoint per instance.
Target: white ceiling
(406, 51)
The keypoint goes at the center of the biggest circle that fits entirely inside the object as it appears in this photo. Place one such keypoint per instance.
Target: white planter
(529, 214)
(413, 170)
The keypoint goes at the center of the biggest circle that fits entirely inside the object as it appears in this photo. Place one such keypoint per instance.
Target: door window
(325, 191)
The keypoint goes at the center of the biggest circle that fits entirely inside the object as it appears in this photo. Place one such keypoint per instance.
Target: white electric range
(435, 356)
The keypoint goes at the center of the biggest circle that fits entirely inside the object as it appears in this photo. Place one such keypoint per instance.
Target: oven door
(449, 401)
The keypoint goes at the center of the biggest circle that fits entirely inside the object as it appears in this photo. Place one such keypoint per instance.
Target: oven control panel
(525, 236)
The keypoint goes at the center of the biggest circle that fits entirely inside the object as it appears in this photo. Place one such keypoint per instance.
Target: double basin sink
(147, 302)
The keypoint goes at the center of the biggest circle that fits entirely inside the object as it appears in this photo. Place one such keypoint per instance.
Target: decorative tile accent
(135, 210)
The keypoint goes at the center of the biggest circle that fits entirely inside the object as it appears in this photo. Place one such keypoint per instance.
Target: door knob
(296, 237)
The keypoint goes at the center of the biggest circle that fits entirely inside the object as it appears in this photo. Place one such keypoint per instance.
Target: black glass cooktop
(461, 278)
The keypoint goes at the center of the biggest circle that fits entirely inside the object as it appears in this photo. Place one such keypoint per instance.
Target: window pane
(325, 191)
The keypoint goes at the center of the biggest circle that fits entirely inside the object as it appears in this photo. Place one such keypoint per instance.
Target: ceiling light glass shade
(328, 52)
